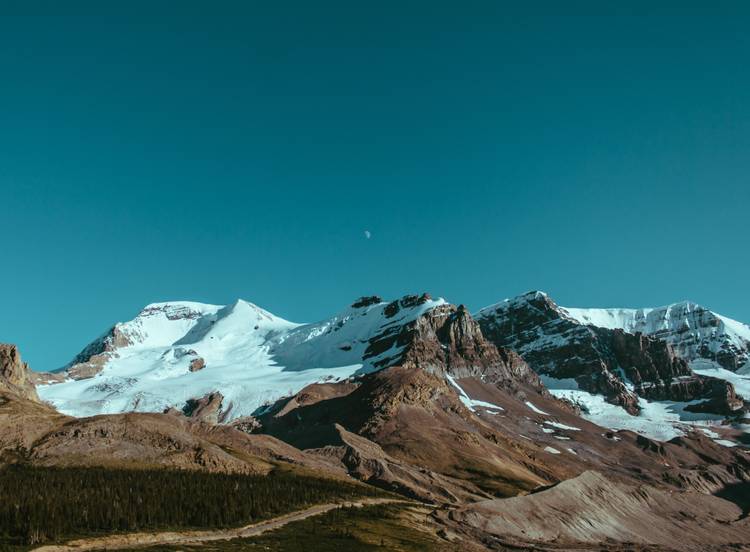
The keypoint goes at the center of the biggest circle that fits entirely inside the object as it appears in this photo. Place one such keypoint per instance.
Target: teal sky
(208, 151)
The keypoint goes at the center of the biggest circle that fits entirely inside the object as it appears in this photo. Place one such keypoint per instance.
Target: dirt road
(132, 540)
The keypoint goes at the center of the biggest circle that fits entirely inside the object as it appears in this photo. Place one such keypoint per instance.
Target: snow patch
(535, 409)
(558, 425)
(470, 403)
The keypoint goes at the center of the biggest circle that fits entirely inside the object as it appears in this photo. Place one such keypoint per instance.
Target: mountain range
(172, 353)
(524, 399)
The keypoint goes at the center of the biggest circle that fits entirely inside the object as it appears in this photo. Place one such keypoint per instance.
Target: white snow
(709, 433)
(470, 403)
(692, 330)
(651, 423)
(558, 425)
(608, 318)
(535, 409)
(551, 450)
(663, 420)
(737, 328)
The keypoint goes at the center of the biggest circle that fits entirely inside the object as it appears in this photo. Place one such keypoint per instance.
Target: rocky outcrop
(246, 424)
(447, 340)
(366, 301)
(720, 396)
(620, 365)
(197, 364)
(206, 408)
(15, 375)
(694, 332)
(657, 373)
(91, 360)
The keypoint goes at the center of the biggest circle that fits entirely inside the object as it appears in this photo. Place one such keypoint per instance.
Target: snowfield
(251, 356)
(660, 420)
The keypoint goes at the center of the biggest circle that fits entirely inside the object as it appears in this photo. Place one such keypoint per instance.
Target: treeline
(50, 504)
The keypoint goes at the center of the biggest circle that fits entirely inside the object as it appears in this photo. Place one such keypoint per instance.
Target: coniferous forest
(40, 505)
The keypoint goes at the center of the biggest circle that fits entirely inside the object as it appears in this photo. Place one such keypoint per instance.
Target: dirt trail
(132, 540)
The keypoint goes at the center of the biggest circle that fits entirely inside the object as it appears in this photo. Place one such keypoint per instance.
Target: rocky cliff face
(657, 373)
(15, 375)
(610, 361)
(447, 340)
(94, 356)
(206, 408)
(694, 332)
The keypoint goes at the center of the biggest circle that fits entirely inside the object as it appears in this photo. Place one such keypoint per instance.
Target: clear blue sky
(213, 150)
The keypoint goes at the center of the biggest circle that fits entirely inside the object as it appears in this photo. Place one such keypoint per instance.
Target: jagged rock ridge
(693, 331)
(618, 364)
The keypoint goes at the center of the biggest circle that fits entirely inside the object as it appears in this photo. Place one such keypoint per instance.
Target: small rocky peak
(197, 364)
(391, 309)
(406, 302)
(95, 355)
(15, 375)
(411, 301)
(366, 301)
(539, 300)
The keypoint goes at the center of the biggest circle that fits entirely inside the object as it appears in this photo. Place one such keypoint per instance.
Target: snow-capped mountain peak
(684, 354)
(175, 351)
(694, 332)
(161, 324)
